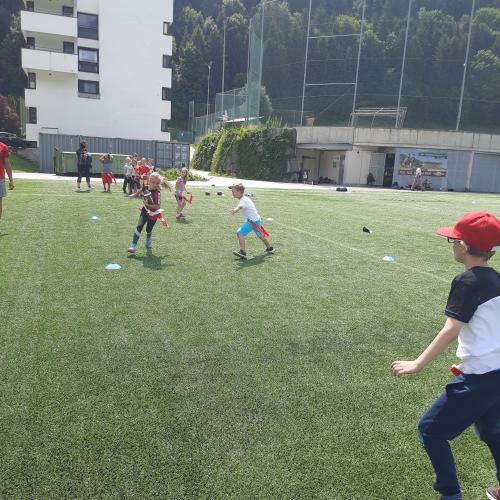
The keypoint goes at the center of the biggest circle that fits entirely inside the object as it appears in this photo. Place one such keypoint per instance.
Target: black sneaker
(241, 254)
(269, 251)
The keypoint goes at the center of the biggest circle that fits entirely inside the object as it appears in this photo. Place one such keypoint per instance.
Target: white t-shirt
(475, 300)
(248, 208)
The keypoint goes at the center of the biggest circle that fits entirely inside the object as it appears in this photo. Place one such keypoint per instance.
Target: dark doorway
(389, 169)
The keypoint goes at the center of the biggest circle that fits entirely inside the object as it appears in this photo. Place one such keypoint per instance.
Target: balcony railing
(49, 60)
(50, 24)
(50, 12)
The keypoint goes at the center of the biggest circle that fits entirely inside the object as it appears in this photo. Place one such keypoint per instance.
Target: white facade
(97, 68)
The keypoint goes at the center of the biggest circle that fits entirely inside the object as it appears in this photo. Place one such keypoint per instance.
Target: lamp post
(208, 95)
(223, 68)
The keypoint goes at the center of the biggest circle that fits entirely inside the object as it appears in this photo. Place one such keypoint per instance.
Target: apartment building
(98, 67)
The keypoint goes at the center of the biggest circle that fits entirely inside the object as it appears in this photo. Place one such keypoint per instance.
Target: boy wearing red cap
(473, 317)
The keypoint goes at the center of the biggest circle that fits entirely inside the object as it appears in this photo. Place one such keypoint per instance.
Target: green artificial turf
(190, 374)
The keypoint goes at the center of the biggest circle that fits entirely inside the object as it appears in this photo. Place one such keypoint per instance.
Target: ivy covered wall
(251, 153)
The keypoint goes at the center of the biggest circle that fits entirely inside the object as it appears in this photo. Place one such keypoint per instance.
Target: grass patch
(20, 164)
(190, 374)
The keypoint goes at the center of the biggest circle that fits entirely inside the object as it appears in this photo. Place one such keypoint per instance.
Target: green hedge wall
(258, 153)
(227, 139)
(205, 149)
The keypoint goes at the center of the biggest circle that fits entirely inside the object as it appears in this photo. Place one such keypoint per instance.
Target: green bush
(171, 174)
(258, 153)
(263, 153)
(222, 153)
(204, 151)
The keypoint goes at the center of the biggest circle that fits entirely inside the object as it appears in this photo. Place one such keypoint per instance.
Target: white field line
(307, 233)
(352, 249)
(362, 252)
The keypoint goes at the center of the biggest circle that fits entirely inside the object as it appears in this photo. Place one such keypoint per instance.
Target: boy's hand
(231, 211)
(11, 185)
(399, 368)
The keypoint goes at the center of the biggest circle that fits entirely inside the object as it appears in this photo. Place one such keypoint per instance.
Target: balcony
(37, 22)
(49, 60)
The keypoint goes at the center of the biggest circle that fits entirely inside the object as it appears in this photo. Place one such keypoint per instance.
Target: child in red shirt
(5, 166)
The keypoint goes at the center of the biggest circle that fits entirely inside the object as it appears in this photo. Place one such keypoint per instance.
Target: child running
(252, 223)
(473, 317)
(151, 211)
(181, 193)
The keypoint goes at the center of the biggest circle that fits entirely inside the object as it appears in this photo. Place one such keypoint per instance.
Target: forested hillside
(434, 64)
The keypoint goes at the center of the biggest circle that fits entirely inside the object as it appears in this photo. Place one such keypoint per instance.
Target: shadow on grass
(188, 221)
(253, 261)
(151, 261)
(4, 234)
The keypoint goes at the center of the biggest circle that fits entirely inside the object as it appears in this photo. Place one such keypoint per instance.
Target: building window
(32, 80)
(166, 94)
(67, 11)
(30, 6)
(88, 60)
(164, 125)
(88, 87)
(68, 47)
(30, 42)
(32, 115)
(166, 61)
(88, 26)
(166, 28)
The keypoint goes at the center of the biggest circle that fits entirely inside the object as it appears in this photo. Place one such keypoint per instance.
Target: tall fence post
(404, 58)
(466, 64)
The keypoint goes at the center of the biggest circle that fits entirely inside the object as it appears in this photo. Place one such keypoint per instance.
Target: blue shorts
(3, 191)
(247, 228)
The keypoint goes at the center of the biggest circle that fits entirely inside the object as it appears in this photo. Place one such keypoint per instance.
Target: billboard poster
(432, 163)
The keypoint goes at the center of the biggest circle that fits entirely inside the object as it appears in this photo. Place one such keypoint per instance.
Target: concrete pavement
(210, 181)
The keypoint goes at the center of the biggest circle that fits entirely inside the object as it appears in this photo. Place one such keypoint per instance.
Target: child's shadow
(151, 261)
(183, 221)
(254, 261)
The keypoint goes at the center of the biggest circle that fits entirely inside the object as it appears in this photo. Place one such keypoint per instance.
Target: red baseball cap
(479, 230)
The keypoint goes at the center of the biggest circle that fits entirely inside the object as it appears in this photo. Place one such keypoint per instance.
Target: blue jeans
(467, 400)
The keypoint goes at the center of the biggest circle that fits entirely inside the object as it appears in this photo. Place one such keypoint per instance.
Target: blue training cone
(113, 266)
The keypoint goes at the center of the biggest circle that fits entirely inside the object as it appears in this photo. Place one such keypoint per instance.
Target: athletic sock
(135, 238)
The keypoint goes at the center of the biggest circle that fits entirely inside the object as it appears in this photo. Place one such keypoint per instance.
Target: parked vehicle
(14, 141)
